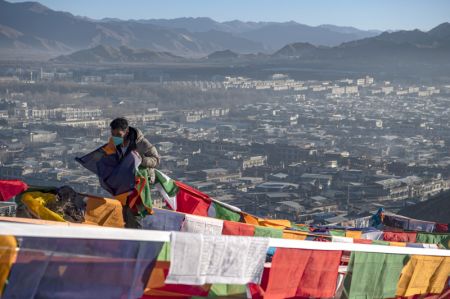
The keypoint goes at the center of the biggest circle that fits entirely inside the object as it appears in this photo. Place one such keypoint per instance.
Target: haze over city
(326, 123)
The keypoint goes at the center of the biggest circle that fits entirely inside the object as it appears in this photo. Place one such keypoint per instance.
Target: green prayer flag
(225, 213)
(167, 188)
(337, 233)
(146, 196)
(373, 275)
(442, 239)
(380, 242)
(262, 231)
(167, 183)
(164, 254)
(303, 228)
(223, 290)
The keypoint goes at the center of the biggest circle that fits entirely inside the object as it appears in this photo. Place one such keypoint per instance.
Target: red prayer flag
(237, 229)
(408, 237)
(10, 188)
(362, 241)
(257, 291)
(191, 200)
(319, 279)
(311, 273)
(157, 288)
(441, 228)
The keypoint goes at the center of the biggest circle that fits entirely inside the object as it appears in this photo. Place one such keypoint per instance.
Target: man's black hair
(119, 123)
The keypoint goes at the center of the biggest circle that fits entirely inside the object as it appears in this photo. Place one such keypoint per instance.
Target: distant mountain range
(396, 48)
(30, 26)
(272, 35)
(401, 49)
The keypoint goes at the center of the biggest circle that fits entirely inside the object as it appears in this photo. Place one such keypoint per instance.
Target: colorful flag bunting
(261, 231)
(303, 273)
(192, 201)
(441, 239)
(197, 259)
(202, 225)
(225, 213)
(400, 236)
(8, 246)
(104, 212)
(373, 275)
(80, 268)
(167, 188)
(232, 228)
(424, 275)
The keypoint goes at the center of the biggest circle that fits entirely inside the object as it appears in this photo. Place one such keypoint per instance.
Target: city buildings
(310, 151)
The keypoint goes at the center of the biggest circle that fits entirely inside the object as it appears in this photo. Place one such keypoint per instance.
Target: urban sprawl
(308, 151)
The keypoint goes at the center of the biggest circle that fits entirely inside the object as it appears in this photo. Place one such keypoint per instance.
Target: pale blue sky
(364, 14)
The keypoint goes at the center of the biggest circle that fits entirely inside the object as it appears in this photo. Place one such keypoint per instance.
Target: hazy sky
(364, 14)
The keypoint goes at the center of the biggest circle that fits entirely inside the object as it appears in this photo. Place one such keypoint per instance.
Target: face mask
(117, 140)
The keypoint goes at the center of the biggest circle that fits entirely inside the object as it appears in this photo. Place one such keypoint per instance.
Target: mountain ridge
(109, 54)
(413, 46)
(34, 25)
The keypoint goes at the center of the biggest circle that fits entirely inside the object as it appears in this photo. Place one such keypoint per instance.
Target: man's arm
(150, 156)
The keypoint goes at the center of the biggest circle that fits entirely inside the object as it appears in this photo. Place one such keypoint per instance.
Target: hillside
(435, 209)
(108, 54)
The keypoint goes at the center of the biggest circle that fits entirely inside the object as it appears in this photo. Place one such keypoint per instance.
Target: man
(127, 139)
(125, 166)
(377, 219)
(130, 140)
